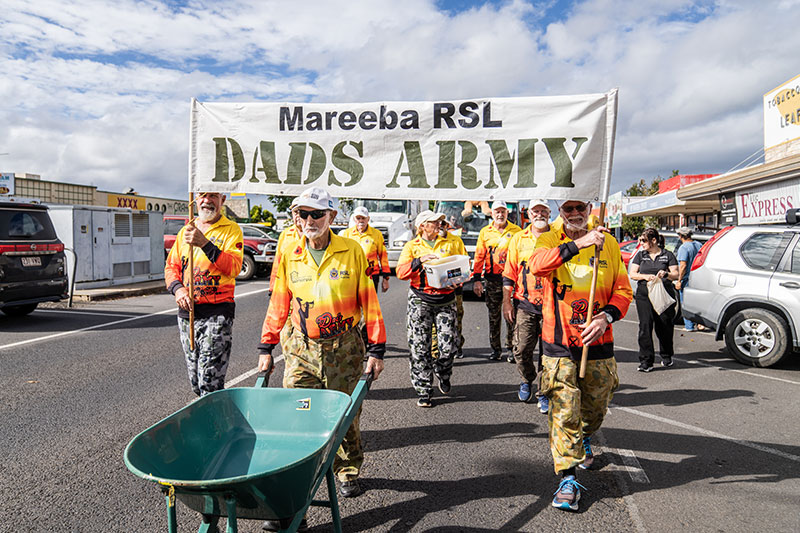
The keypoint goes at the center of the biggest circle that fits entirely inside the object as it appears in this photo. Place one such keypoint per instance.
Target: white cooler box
(448, 271)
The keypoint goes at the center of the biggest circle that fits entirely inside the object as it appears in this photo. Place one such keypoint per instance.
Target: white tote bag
(659, 296)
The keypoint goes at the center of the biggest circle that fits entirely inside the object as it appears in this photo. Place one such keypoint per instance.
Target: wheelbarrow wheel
(278, 525)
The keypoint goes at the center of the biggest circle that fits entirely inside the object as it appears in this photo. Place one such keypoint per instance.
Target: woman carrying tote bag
(652, 263)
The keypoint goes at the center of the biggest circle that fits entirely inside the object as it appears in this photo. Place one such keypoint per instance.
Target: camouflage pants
(527, 328)
(494, 302)
(459, 319)
(577, 406)
(421, 318)
(208, 362)
(334, 364)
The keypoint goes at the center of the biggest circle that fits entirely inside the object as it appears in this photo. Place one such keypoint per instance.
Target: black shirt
(648, 265)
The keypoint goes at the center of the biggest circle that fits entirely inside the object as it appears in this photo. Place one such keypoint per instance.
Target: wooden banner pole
(589, 315)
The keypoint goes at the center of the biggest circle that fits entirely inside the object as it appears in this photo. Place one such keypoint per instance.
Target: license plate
(34, 261)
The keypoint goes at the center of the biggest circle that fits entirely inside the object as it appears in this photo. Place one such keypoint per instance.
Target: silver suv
(745, 284)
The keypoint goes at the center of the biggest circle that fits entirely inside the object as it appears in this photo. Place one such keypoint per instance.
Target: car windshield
(471, 223)
(26, 225)
(384, 206)
(629, 247)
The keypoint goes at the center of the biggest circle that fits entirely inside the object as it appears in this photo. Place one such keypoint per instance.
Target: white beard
(313, 233)
(576, 227)
(540, 224)
(206, 215)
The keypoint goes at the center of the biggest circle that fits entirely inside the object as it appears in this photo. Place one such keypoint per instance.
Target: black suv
(32, 262)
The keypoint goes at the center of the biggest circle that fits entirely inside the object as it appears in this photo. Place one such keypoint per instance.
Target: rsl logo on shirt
(335, 274)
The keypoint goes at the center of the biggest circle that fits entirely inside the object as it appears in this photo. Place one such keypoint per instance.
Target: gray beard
(206, 215)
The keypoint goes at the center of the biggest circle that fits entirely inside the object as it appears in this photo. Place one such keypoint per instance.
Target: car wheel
(248, 268)
(18, 310)
(757, 337)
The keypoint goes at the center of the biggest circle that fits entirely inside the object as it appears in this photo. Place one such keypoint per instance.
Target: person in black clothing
(651, 262)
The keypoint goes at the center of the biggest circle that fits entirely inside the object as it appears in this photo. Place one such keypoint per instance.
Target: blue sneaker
(568, 494)
(589, 460)
(524, 393)
(544, 404)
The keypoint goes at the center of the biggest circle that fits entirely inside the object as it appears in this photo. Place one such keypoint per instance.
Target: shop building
(762, 193)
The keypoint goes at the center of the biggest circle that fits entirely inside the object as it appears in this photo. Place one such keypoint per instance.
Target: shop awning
(763, 174)
(668, 203)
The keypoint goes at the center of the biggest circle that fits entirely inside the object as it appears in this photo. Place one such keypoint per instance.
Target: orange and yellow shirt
(216, 266)
(288, 239)
(491, 251)
(374, 247)
(409, 266)
(526, 288)
(567, 275)
(325, 300)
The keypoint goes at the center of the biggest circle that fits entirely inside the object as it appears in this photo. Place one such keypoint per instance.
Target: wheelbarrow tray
(266, 447)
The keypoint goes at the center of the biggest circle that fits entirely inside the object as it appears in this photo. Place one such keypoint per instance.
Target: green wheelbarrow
(255, 453)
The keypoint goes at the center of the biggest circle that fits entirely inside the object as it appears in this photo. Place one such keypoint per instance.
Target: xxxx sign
(500, 148)
(132, 202)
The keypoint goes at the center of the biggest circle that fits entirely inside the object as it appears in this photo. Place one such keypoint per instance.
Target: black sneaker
(460, 355)
(510, 358)
(350, 489)
(444, 386)
(424, 401)
(645, 368)
(666, 361)
(496, 357)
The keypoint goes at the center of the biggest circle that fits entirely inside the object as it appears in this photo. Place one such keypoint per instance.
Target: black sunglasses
(316, 214)
(571, 208)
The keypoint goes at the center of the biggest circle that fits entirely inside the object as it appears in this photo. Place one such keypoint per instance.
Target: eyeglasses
(571, 208)
(316, 214)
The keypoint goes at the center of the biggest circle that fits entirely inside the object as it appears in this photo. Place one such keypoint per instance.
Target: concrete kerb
(119, 291)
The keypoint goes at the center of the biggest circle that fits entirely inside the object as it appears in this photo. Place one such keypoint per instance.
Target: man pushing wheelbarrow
(324, 281)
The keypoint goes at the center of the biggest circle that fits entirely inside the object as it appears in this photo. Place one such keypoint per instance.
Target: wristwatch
(608, 317)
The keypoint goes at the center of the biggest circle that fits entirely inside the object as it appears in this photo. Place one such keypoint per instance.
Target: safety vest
(374, 247)
(491, 251)
(526, 288)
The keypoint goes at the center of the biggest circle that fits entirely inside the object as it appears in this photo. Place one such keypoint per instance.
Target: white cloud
(98, 92)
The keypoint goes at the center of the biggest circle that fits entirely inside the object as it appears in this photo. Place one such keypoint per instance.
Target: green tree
(636, 225)
(281, 203)
(259, 214)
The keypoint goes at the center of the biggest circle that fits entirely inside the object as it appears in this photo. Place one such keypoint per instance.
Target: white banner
(768, 203)
(782, 113)
(495, 148)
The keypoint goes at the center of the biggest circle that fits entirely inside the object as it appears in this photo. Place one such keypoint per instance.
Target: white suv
(745, 284)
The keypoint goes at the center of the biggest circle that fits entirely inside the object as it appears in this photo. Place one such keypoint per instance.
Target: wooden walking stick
(589, 314)
(191, 276)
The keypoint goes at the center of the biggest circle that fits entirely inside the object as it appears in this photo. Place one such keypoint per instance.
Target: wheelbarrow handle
(368, 377)
(263, 377)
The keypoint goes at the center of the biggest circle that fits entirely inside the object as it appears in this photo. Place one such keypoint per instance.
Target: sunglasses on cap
(571, 208)
(316, 214)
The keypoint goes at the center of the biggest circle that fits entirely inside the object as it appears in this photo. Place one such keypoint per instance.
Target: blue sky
(98, 92)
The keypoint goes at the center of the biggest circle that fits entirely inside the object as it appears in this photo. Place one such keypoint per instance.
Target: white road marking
(98, 326)
(76, 312)
(707, 433)
(249, 373)
(632, 466)
(701, 363)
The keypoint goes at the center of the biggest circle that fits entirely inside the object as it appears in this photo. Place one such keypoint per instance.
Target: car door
(784, 286)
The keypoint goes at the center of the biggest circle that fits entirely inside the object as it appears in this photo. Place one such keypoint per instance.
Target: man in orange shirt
(564, 258)
(372, 242)
(324, 282)
(217, 257)
(490, 260)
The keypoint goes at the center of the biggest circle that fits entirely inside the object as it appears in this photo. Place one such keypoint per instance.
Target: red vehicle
(628, 249)
(259, 246)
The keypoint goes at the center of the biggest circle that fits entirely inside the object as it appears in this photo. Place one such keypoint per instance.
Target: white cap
(497, 204)
(538, 201)
(360, 211)
(427, 216)
(315, 198)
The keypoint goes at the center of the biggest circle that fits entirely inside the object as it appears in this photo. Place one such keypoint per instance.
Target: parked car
(745, 284)
(628, 249)
(32, 262)
(259, 245)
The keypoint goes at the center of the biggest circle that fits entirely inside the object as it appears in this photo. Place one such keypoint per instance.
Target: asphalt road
(708, 445)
